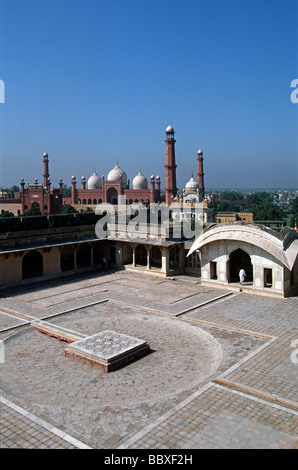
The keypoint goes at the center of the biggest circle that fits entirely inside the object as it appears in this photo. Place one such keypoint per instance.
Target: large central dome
(116, 173)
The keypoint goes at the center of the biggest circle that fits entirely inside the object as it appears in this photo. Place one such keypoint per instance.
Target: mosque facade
(116, 188)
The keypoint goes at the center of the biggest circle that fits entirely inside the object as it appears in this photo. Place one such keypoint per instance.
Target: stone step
(63, 334)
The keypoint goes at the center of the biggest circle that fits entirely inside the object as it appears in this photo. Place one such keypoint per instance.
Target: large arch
(112, 196)
(35, 205)
(240, 259)
(32, 265)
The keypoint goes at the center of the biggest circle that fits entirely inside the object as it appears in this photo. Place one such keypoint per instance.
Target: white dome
(140, 182)
(116, 173)
(192, 184)
(94, 182)
(170, 129)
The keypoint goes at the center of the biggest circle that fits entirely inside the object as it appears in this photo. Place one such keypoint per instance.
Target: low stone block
(108, 349)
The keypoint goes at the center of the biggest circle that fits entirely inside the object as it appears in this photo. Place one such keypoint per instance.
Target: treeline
(261, 204)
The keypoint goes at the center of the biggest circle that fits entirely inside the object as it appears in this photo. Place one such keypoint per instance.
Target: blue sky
(92, 81)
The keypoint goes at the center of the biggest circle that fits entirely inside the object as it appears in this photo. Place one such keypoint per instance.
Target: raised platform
(108, 349)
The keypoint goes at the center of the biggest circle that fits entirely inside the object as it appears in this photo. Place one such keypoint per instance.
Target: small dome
(192, 184)
(140, 182)
(94, 182)
(116, 173)
(200, 152)
(169, 129)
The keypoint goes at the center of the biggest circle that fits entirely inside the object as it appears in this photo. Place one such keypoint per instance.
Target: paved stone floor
(221, 373)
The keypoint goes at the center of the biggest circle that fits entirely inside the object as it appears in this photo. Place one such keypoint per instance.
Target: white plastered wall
(219, 251)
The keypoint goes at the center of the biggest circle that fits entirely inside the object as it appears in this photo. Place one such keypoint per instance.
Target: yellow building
(234, 217)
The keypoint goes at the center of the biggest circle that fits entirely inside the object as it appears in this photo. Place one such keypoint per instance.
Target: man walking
(242, 276)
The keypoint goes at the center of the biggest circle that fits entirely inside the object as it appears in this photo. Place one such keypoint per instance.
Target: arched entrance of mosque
(35, 205)
(239, 259)
(112, 196)
(32, 265)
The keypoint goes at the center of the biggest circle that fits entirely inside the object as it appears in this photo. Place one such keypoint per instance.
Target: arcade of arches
(70, 257)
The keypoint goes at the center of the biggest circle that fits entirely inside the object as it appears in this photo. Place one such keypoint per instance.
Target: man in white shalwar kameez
(242, 276)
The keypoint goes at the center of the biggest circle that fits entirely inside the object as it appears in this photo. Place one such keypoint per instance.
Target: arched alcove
(32, 265)
(67, 258)
(239, 259)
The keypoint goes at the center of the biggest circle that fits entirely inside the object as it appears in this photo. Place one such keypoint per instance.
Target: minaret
(201, 173)
(170, 166)
(46, 173)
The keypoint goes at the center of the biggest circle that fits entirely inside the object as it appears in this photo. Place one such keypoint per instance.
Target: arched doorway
(174, 258)
(239, 259)
(32, 265)
(141, 255)
(155, 257)
(112, 196)
(67, 258)
(83, 256)
(98, 253)
(35, 205)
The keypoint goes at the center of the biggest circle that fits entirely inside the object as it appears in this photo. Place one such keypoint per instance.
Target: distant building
(115, 189)
(223, 217)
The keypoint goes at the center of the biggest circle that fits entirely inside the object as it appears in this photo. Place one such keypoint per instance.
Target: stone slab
(108, 349)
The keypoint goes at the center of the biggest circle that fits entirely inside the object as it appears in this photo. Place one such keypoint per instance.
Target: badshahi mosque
(116, 188)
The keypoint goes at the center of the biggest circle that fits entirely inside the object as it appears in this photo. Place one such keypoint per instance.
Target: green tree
(293, 215)
(258, 198)
(266, 211)
(32, 212)
(69, 210)
(6, 214)
(294, 208)
(15, 189)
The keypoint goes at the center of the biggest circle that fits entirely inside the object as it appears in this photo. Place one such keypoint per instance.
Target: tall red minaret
(46, 173)
(170, 166)
(201, 173)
